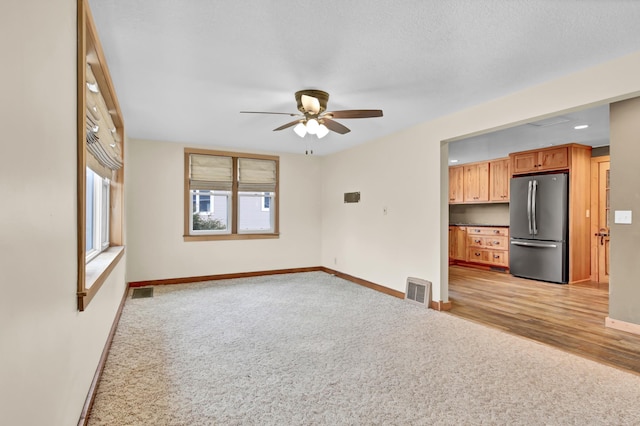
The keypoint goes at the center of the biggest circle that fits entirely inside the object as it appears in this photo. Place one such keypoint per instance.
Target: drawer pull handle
(496, 256)
(477, 254)
(477, 241)
(497, 243)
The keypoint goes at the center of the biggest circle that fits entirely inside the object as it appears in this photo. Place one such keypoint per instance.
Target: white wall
(407, 173)
(48, 350)
(155, 214)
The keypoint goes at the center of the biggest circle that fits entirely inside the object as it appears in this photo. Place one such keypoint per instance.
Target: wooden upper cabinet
(456, 184)
(541, 160)
(499, 175)
(476, 182)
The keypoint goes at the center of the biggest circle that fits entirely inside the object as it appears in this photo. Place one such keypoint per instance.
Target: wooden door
(499, 180)
(525, 162)
(552, 159)
(600, 218)
(459, 243)
(456, 184)
(476, 182)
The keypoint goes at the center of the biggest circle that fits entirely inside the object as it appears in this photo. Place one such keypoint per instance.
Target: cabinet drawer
(489, 257)
(484, 230)
(497, 242)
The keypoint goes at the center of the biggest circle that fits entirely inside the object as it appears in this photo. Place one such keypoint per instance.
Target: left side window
(100, 165)
(97, 214)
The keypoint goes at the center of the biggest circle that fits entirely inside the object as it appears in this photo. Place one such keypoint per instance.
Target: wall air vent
(418, 291)
(351, 197)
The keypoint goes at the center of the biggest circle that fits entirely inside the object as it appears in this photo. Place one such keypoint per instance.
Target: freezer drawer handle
(521, 243)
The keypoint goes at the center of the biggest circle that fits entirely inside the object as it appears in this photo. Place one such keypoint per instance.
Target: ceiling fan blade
(355, 113)
(291, 114)
(310, 104)
(286, 126)
(335, 126)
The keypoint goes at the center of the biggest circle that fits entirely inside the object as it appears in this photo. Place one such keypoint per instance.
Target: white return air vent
(418, 291)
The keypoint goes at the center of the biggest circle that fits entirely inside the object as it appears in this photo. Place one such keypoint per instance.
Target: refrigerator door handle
(529, 207)
(534, 195)
(526, 244)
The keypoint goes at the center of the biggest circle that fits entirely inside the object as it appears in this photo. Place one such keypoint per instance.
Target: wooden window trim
(187, 237)
(89, 51)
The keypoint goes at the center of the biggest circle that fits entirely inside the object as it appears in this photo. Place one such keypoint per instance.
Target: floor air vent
(140, 293)
(418, 291)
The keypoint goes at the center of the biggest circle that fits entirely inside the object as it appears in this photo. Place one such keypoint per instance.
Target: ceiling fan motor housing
(320, 95)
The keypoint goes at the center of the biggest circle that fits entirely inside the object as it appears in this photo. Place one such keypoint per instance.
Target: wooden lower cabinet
(457, 244)
(489, 257)
(485, 246)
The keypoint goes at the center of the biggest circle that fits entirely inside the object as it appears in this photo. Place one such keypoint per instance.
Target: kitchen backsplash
(479, 214)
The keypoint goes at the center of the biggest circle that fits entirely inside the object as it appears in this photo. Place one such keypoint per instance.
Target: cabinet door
(452, 240)
(525, 162)
(499, 180)
(476, 182)
(456, 184)
(460, 244)
(553, 159)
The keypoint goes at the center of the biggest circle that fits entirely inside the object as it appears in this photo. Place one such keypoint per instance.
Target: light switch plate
(622, 216)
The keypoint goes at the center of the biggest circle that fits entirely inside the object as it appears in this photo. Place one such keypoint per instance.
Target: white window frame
(213, 194)
(100, 208)
(261, 195)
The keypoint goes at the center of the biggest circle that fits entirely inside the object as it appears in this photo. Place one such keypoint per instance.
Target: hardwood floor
(569, 317)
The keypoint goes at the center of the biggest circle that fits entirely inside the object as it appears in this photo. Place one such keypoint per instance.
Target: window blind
(103, 149)
(256, 175)
(210, 172)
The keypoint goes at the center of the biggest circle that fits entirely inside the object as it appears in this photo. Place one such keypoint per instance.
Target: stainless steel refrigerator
(538, 227)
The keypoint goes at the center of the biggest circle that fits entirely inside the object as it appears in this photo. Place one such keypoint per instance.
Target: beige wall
(48, 350)
(155, 212)
(624, 302)
(408, 173)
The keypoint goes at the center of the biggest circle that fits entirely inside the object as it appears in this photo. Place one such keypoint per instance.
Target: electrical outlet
(384, 210)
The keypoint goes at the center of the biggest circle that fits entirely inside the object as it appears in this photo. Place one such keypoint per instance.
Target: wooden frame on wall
(90, 52)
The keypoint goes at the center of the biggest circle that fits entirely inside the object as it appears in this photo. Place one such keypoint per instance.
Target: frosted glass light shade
(322, 131)
(312, 126)
(300, 130)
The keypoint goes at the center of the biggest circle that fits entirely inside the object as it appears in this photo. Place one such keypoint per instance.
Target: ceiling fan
(314, 118)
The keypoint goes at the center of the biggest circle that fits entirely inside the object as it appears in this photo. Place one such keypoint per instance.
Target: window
(266, 201)
(97, 214)
(230, 195)
(100, 166)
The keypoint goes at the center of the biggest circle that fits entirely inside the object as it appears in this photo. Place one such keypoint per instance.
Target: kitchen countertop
(477, 224)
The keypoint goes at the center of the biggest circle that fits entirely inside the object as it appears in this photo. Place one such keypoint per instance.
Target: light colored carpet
(313, 349)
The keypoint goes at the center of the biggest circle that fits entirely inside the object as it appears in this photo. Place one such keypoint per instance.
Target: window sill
(96, 273)
(191, 238)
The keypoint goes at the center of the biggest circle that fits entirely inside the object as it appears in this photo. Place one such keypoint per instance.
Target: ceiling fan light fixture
(300, 129)
(322, 131)
(312, 126)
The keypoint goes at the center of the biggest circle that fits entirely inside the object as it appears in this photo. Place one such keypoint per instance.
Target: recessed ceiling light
(581, 126)
(453, 161)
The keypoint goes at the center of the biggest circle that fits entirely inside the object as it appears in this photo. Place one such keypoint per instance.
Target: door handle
(522, 243)
(533, 206)
(602, 234)
(529, 207)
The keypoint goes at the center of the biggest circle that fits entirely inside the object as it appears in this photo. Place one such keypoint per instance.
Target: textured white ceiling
(184, 69)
